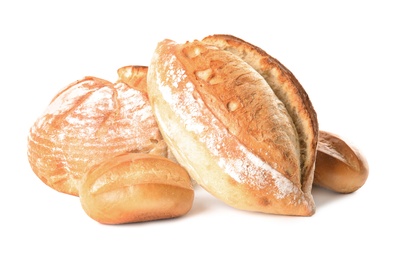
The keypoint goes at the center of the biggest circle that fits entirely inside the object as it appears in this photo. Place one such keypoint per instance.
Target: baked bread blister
(238, 121)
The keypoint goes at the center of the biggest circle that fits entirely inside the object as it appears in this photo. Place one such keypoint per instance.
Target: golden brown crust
(243, 150)
(340, 167)
(287, 88)
(134, 187)
(88, 121)
(243, 102)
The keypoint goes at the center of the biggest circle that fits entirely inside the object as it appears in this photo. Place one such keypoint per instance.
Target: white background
(341, 51)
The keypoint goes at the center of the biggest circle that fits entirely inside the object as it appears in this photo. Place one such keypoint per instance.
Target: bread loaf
(340, 166)
(91, 120)
(238, 121)
(135, 187)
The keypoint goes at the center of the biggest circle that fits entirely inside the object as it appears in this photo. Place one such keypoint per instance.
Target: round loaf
(340, 167)
(134, 187)
(237, 137)
(91, 120)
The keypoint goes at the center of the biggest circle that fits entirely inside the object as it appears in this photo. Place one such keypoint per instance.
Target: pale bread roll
(238, 138)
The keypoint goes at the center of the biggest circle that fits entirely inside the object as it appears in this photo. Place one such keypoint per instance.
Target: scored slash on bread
(288, 90)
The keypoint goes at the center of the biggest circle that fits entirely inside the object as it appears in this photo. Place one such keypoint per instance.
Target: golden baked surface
(227, 126)
(340, 167)
(135, 187)
(287, 89)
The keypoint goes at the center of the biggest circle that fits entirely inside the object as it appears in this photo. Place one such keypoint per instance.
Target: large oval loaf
(91, 120)
(233, 133)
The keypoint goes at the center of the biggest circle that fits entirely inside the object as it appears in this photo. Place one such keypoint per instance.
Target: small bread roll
(339, 167)
(134, 76)
(135, 187)
(238, 121)
(91, 120)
